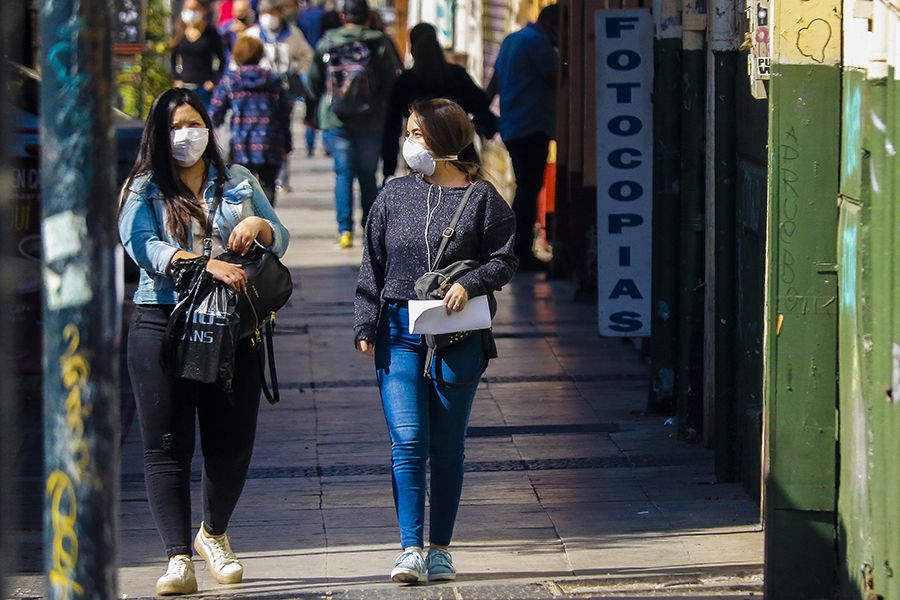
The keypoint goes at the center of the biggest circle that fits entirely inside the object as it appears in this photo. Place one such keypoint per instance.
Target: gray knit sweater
(396, 253)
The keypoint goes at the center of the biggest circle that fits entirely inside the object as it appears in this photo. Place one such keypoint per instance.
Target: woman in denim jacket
(163, 215)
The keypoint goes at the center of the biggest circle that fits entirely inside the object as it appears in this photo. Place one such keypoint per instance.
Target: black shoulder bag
(434, 284)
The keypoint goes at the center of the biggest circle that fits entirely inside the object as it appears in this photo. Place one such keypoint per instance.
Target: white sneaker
(409, 568)
(179, 577)
(221, 560)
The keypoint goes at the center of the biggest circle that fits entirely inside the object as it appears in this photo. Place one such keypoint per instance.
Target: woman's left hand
(244, 234)
(456, 298)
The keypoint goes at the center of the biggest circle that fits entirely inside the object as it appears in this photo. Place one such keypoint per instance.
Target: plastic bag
(202, 330)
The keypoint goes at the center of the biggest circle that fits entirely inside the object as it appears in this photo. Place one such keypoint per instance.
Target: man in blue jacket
(525, 76)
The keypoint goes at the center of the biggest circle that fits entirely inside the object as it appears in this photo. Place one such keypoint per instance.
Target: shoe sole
(171, 591)
(219, 577)
(442, 577)
(407, 577)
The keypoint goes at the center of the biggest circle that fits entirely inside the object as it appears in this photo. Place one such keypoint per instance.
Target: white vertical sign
(624, 80)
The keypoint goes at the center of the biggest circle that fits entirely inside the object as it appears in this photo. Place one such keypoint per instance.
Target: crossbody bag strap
(450, 231)
(273, 395)
(210, 220)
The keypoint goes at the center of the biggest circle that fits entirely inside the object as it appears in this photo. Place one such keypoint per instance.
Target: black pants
(267, 175)
(168, 408)
(529, 160)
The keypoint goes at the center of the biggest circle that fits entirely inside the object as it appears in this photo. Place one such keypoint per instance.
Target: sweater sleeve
(370, 284)
(498, 262)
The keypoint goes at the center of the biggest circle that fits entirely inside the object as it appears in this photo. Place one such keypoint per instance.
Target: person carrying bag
(179, 187)
(441, 232)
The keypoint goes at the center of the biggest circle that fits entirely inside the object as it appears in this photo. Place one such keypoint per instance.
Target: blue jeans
(356, 155)
(310, 139)
(425, 421)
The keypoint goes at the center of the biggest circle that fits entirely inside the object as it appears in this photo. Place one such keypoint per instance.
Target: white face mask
(189, 144)
(270, 22)
(419, 159)
(191, 17)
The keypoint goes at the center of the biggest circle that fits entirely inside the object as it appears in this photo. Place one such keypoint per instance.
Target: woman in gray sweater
(427, 420)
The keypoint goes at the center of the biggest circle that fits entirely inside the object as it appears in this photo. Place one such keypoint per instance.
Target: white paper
(430, 316)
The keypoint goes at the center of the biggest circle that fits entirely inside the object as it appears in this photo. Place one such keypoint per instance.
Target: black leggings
(167, 408)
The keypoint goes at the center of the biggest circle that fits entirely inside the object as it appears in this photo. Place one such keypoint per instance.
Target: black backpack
(350, 79)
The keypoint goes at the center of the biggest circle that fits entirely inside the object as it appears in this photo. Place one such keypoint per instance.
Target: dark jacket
(395, 252)
(261, 115)
(199, 61)
(455, 85)
(383, 68)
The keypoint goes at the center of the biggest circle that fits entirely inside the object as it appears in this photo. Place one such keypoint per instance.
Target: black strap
(439, 380)
(273, 395)
(450, 231)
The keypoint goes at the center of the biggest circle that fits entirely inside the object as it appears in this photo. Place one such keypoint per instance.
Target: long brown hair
(180, 27)
(448, 131)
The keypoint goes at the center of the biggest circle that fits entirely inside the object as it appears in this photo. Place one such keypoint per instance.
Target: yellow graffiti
(75, 373)
(63, 515)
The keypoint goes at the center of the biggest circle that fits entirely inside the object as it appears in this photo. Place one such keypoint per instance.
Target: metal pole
(720, 425)
(666, 202)
(81, 414)
(688, 374)
(11, 15)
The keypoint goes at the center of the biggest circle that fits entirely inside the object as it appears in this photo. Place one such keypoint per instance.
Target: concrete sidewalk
(570, 492)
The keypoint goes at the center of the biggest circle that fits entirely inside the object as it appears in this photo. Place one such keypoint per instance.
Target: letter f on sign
(616, 25)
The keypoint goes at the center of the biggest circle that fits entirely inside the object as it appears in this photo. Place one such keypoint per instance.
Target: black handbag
(269, 286)
(434, 285)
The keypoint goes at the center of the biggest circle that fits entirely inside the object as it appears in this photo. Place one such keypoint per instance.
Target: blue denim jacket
(152, 246)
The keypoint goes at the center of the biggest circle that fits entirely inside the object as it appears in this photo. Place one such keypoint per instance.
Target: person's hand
(208, 86)
(178, 83)
(230, 274)
(366, 347)
(246, 232)
(238, 26)
(456, 298)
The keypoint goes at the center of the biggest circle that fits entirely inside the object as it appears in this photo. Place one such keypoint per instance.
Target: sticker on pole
(624, 83)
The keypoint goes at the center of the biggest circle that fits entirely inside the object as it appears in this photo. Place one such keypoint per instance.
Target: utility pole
(11, 17)
(666, 204)
(720, 329)
(689, 364)
(81, 391)
(801, 336)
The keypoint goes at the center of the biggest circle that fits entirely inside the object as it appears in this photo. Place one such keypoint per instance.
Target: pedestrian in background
(350, 79)
(427, 420)
(242, 19)
(163, 216)
(286, 54)
(310, 24)
(525, 76)
(260, 114)
(431, 76)
(197, 56)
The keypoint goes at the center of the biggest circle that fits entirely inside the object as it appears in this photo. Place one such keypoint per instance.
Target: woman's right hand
(230, 274)
(366, 347)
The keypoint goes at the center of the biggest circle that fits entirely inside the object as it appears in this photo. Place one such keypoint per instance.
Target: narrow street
(570, 490)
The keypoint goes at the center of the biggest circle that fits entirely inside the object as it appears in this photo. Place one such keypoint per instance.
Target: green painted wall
(801, 335)
(869, 497)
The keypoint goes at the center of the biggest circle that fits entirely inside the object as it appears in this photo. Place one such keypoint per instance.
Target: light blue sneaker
(409, 568)
(440, 565)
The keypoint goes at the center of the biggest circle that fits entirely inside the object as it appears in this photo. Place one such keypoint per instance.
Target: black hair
(428, 56)
(155, 159)
(549, 17)
(356, 12)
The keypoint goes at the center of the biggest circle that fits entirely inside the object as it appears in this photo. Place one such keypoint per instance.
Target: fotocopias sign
(624, 80)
